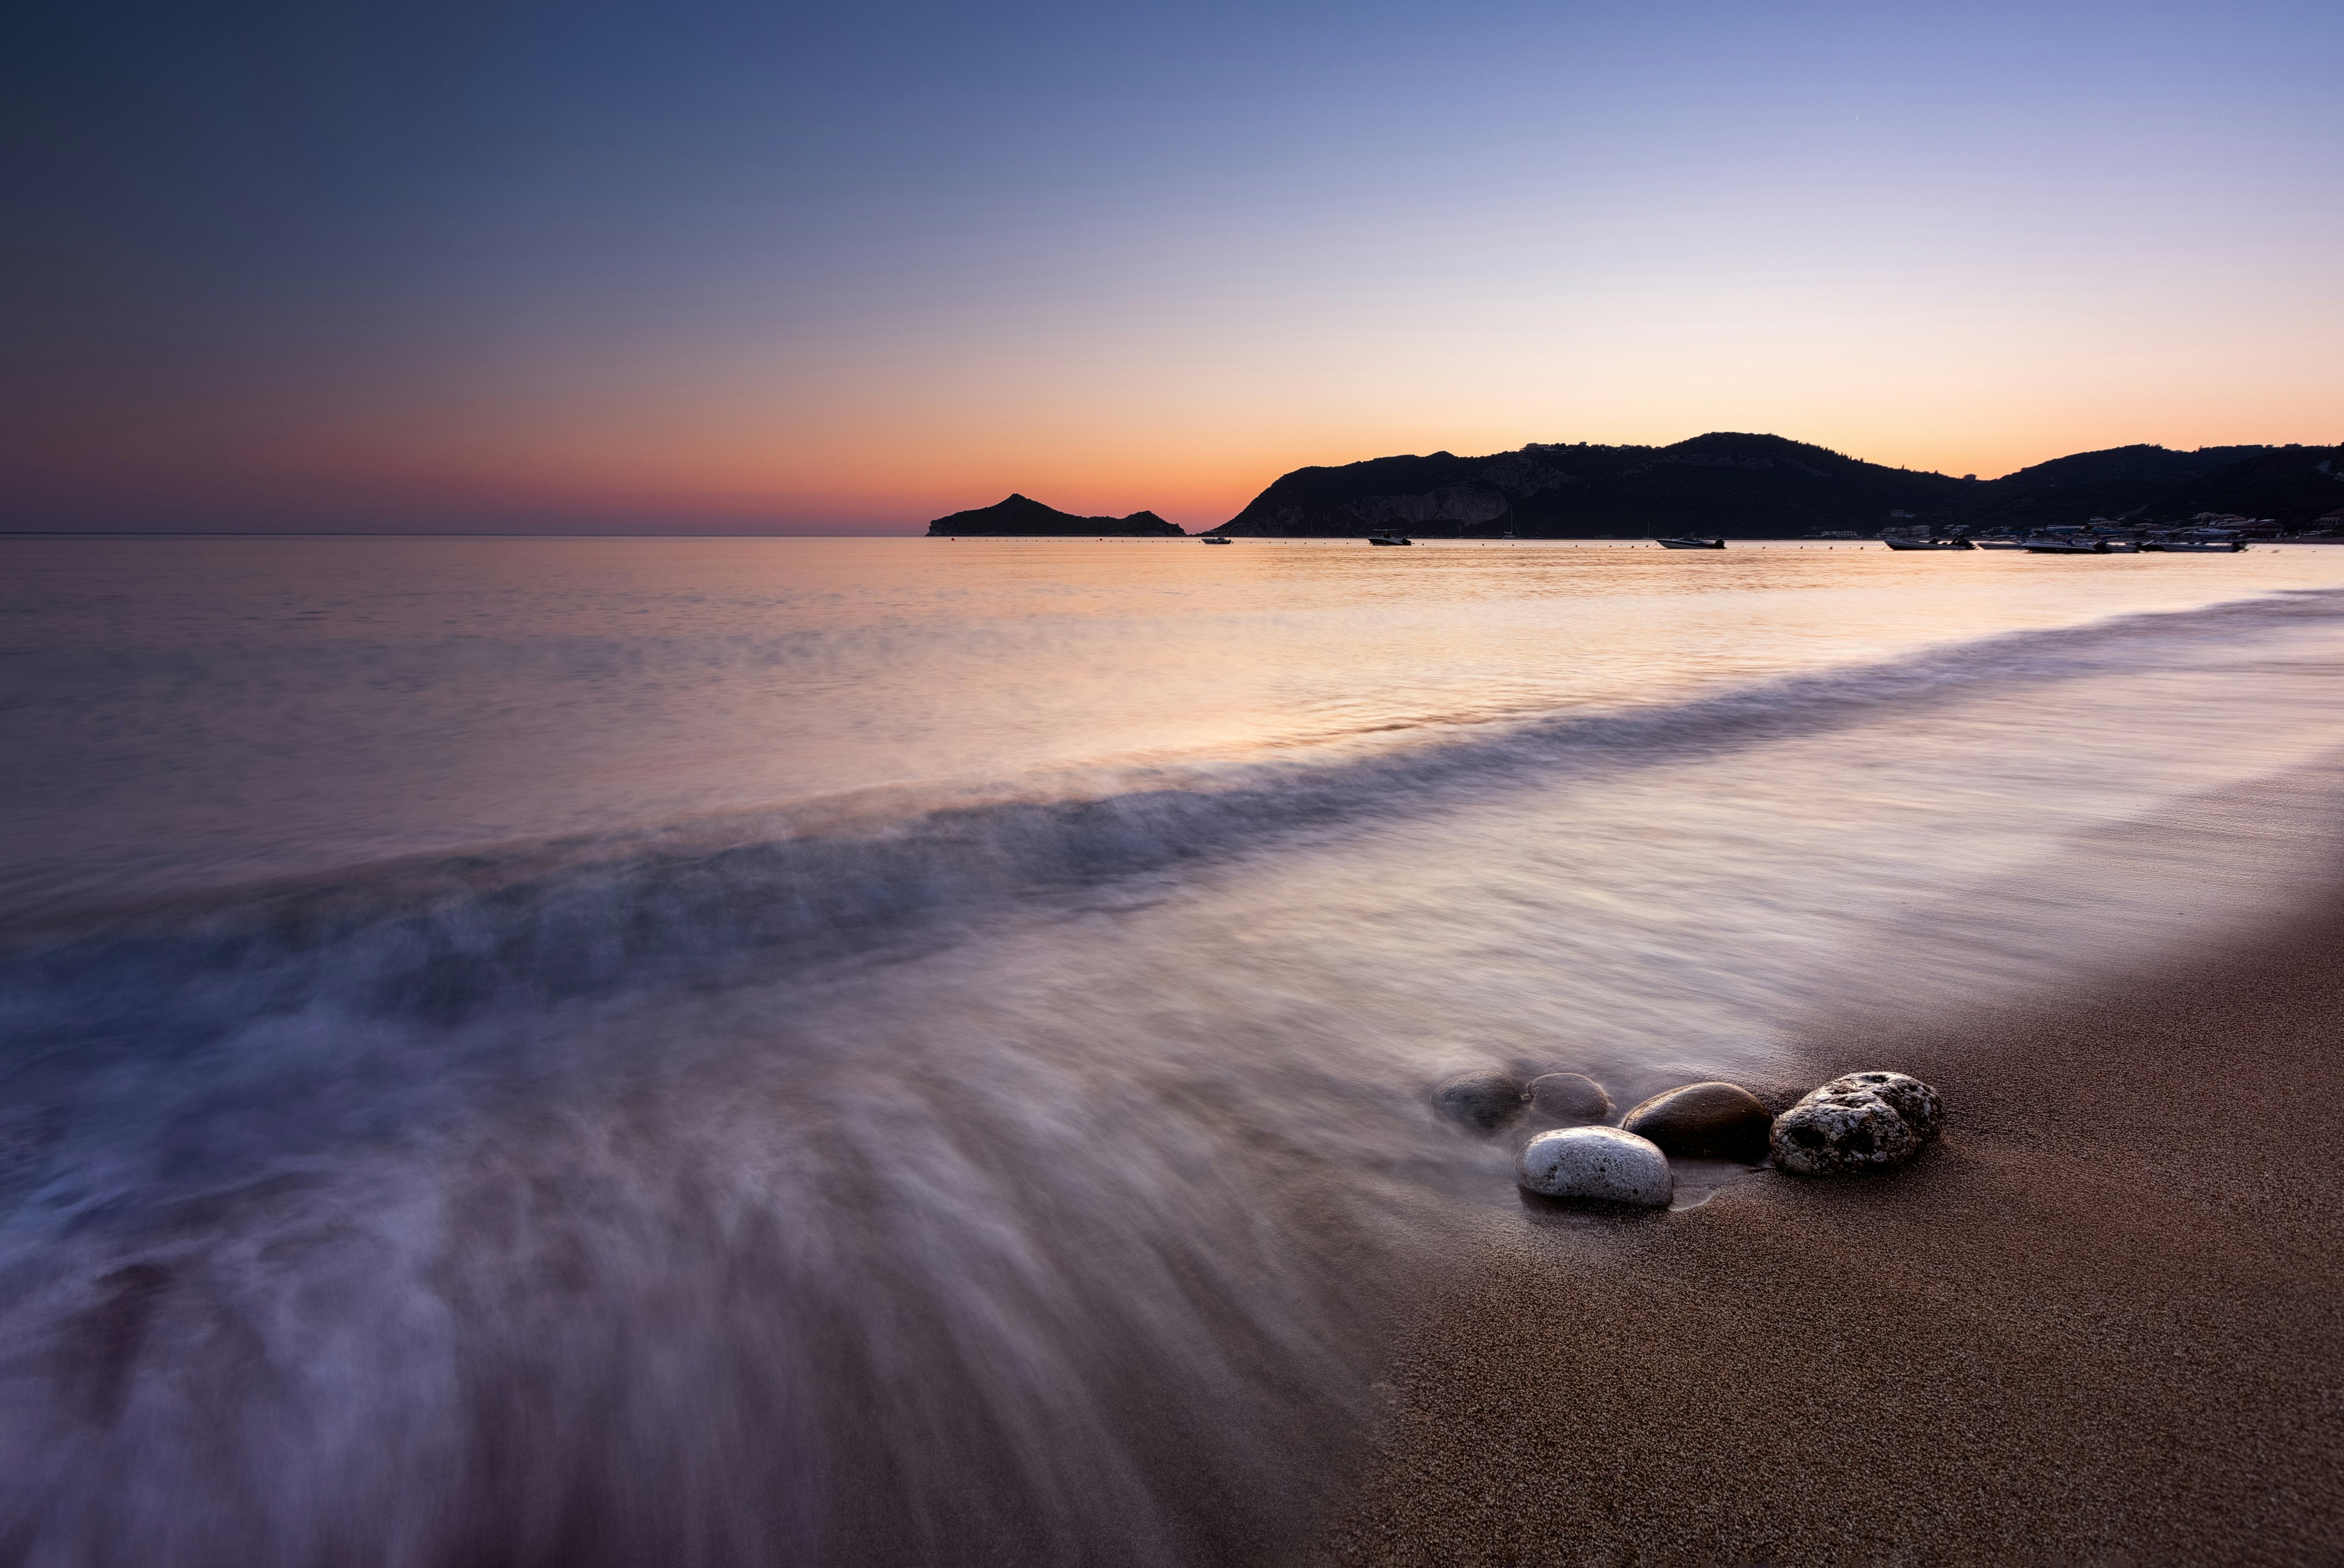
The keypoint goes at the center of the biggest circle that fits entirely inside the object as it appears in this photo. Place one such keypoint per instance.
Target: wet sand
(2101, 1322)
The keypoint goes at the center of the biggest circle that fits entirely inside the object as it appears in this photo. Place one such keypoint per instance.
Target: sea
(712, 1051)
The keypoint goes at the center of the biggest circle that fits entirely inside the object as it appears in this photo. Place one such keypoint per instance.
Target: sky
(726, 268)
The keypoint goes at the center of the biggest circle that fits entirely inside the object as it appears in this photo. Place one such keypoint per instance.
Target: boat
(1689, 544)
(2065, 544)
(1895, 541)
(2211, 542)
(1217, 539)
(1997, 544)
(1390, 536)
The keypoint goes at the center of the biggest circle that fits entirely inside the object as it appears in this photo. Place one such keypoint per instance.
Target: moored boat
(1389, 536)
(2065, 540)
(1691, 543)
(1217, 539)
(2210, 541)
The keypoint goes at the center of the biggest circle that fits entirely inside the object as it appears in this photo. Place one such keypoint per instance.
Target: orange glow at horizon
(690, 458)
(889, 422)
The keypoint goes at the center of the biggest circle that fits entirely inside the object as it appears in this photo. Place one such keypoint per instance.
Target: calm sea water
(817, 1051)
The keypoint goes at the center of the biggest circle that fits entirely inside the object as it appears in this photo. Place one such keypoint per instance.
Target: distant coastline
(1734, 486)
(1768, 486)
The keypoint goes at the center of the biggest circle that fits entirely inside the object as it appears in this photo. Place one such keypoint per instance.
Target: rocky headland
(1019, 515)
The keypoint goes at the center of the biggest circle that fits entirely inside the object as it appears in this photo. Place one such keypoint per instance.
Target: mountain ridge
(1739, 484)
(1724, 483)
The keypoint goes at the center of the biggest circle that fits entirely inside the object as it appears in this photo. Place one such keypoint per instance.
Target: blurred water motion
(827, 1051)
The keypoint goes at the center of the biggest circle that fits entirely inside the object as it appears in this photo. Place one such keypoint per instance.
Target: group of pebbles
(1864, 1121)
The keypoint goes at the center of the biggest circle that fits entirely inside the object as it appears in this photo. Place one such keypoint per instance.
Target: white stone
(1597, 1162)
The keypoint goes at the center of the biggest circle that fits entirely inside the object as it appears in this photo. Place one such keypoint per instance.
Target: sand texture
(2100, 1321)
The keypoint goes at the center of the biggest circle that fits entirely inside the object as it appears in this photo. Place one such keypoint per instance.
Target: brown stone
(1485, 1100)
(1704, 1121)
(1568, 1097)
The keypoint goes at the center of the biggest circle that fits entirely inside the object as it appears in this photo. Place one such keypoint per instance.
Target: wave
(911, 1272)
(442, 939)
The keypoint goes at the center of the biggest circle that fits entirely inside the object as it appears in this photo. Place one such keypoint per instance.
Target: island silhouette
(1730, 485)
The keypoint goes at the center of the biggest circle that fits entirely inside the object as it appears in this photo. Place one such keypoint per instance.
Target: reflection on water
(837, 1051)
(193, 712)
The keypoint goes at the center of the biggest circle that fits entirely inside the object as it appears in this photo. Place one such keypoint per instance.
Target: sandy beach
(2099, 1323)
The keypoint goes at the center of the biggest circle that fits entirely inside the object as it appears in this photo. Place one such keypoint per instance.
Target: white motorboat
(2066, 539)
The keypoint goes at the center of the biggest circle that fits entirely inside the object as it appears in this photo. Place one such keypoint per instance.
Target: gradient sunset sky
(719, 268)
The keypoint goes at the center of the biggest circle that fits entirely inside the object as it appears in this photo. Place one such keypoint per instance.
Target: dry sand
(2101, 1322)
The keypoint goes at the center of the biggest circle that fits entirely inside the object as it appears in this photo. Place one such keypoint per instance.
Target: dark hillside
(2142, 464)
(1734, 485)
(2114, 483)
(2290, 485)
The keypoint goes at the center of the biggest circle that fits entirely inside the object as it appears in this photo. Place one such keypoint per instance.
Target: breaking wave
(443, 938)
(325, 1237)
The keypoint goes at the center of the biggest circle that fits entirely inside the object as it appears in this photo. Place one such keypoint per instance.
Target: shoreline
(2098, 1321)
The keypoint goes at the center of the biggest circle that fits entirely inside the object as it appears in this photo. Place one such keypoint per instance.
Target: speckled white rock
(1864, 1121)
(1597, 1162)
(1915, 1101)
